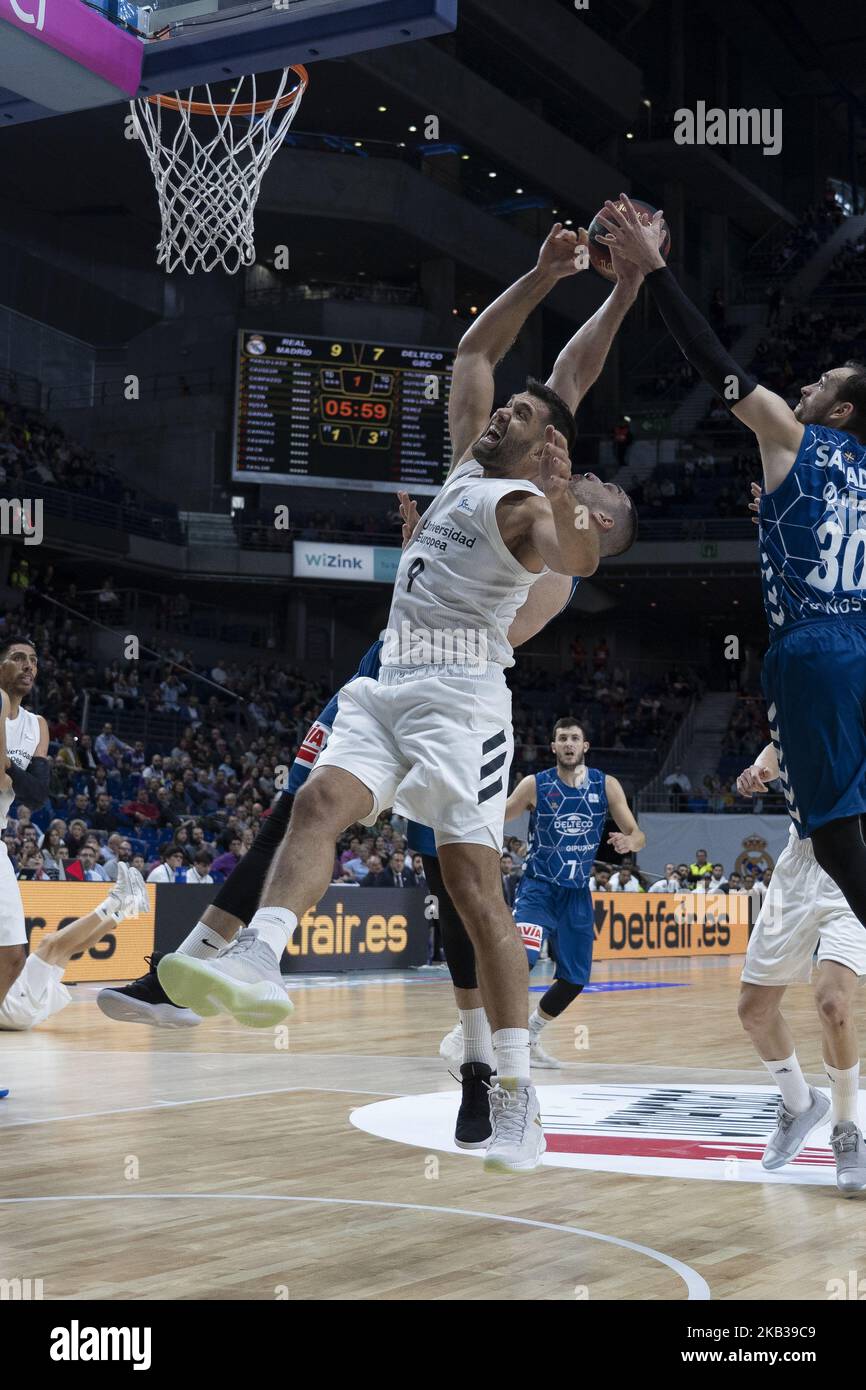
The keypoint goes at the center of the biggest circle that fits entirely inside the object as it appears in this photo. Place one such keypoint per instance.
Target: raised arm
(581, 361)
(521, 799)
(488, 339)
(778, 431)
(629, 838)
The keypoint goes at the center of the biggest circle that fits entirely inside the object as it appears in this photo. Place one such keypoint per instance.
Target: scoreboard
(335, 413)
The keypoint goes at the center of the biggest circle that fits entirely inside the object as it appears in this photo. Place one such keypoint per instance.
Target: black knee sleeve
(840, 849)
(241, 891)
(558, 997)
(459, 951)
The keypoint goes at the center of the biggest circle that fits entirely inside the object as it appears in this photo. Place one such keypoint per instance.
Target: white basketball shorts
(437, 747)
(802, 910)
(35, 995)
(12, 931)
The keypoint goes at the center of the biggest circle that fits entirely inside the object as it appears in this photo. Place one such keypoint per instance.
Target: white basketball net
(207, 189)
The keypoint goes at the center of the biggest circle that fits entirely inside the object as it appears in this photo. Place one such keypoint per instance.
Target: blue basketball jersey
(566, 827)
(813, 535)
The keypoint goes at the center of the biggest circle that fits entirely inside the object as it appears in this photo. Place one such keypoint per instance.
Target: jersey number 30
(830, 535)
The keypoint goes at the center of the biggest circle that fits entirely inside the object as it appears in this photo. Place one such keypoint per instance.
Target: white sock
(274, 926)
(511, 1049)
(477, 1040)
(536, 1023)
(844, 1090)
(792, 1083)
(110, 907)
(203, 942)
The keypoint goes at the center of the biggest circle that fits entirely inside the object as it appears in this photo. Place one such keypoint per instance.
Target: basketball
(599, 254)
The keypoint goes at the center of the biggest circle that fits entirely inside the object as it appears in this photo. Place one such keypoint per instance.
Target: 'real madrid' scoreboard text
(338, 413)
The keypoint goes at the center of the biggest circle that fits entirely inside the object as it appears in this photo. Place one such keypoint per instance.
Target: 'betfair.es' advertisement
(374, 929)
(633, 926)
(350, 929)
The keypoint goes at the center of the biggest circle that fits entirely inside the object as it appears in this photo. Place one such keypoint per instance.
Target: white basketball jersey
(22, 740)
(458, 586)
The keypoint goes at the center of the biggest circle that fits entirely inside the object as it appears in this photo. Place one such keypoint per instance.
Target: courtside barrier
(378, 928)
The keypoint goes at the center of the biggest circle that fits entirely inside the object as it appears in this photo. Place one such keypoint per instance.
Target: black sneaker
(473, 1117)
(145, 1001)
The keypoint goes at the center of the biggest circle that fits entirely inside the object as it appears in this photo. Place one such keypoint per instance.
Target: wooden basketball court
(219, 1163)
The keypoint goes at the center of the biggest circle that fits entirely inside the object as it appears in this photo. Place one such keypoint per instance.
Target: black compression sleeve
(240, 893)
(697, 340)
(558, 997)
(30, 784)
(459, 951)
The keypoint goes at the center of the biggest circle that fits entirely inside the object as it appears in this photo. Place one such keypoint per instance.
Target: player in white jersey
(38, 991)
(30, 986)
(804, 912)
(27, 767)
(432, 736)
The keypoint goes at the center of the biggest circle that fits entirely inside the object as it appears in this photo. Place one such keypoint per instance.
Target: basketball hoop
(208, 188)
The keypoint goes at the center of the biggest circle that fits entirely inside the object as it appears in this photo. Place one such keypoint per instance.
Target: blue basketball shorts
(814, 680)
(566, 915)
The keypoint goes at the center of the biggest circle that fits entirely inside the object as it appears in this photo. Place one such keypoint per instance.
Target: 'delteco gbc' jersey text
(458, 587)
(565, 828)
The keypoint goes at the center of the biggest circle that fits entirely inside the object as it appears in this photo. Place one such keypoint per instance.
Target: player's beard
(503, 458)
(578, 763)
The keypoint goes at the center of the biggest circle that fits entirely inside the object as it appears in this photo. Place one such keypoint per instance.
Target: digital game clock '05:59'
(343, 413)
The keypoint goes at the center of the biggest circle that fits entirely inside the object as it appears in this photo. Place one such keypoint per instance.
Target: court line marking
(697, 1286)
(198, 1100)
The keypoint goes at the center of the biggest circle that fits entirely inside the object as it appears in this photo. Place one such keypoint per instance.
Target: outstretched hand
(409, 516)
(630, 237)
(563, 252)
(555, 469)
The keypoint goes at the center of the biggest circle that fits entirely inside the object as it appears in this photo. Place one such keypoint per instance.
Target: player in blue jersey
(812, 532)
(568, 806)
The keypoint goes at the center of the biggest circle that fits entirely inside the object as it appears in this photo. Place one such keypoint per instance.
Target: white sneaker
(139, 890)
(451, 1046)
(123, 900)
(539, 1058)
(792, 1131)
(517, 1140)
(244, 981)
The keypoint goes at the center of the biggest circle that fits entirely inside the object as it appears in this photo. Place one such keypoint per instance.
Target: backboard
(58, 56)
